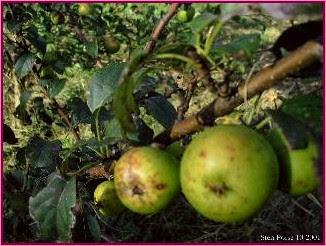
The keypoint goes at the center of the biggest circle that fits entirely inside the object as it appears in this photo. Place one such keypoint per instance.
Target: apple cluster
(226, 173)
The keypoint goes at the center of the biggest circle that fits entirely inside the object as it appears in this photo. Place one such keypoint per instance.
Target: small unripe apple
(182, 16)
(111, 45)
(228, 172)
(106, 199)
(146, 179)
(84, 9)
(299, 174)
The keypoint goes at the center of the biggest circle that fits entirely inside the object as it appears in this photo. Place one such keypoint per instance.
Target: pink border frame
(155, 1)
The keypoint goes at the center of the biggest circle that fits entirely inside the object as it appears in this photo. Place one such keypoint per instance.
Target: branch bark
(160, 26)
(266, 78)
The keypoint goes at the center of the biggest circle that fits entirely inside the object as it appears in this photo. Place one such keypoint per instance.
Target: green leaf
(294, 131)
(53, 86)
(308, 108)
(51, 208)
(124, 104)
(113, 130)
(202, 21)
(24, 65)
(162, 110)
(80, 112)
(248, 43)
(103, 84)
(94, 228)
(42, 153)
(92, 49)
(65, 217)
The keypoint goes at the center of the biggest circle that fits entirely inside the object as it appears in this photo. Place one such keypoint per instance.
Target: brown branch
(160, 26)
(266, 78)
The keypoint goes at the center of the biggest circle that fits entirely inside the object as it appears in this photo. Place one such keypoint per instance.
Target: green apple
(84, 9)
(182, 16)
(106, 199)
(228, 172)
(297, 152)
(186, 15)
(146, 179)
(111, 45)
(175, 149)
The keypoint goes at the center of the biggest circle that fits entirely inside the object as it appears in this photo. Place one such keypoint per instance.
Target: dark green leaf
(22, 114)
(53, 86)
(24, 64)
(103, 85)
(42, 153)
(80, 112)
(308, 108)
(162, 110)
(51, 208)
(202, 21)
(94, 228)
(294, 131)
(65, 217)
(9, 136)
(113, 130)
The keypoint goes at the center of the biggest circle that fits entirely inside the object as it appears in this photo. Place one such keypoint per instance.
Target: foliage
(73, 106)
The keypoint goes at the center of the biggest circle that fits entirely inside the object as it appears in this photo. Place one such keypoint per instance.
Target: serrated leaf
(94, 228)
(162, 110)
(80, 112)
(202, 21)
(103, 85)
(41, 153)
(24, 65)
(51, 208)
(53, 86)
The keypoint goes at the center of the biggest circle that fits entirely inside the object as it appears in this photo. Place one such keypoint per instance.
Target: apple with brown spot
(146, 179)
(228, 172)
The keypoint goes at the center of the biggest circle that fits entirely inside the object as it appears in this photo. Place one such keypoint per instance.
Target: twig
(160, 26)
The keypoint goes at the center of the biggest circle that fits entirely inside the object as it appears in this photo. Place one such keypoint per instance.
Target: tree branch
(266, 78)
(160, 26)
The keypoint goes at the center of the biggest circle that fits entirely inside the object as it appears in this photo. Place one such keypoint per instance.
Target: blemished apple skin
(146, 179)
(228, 172)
